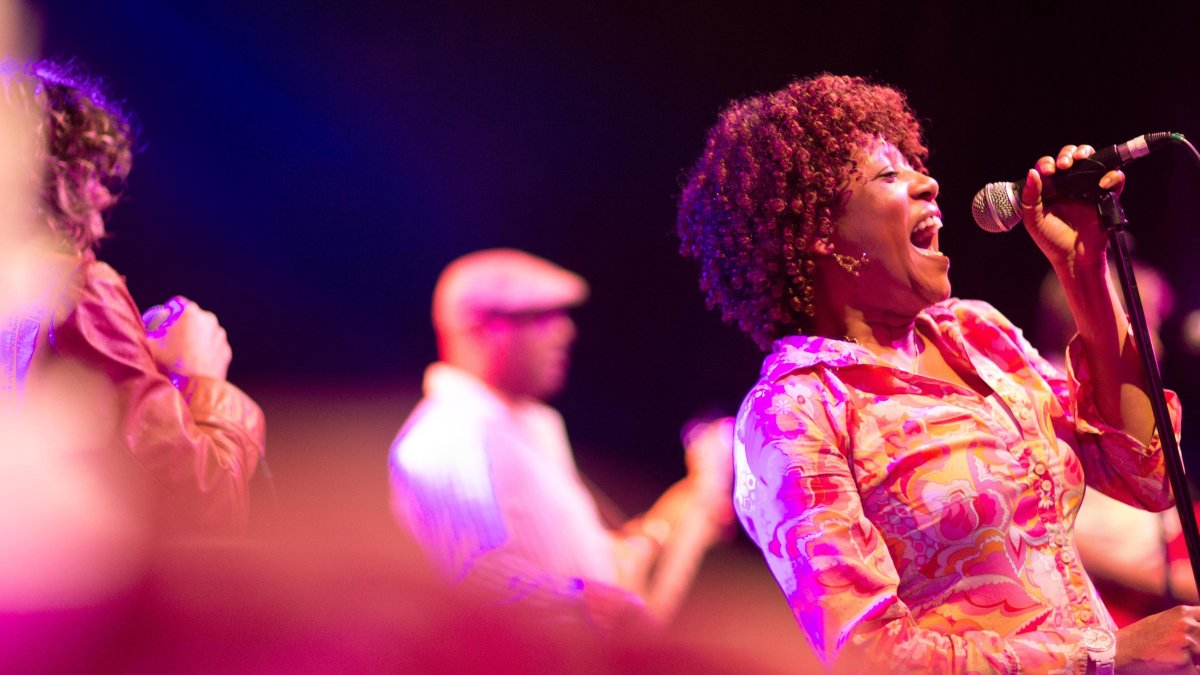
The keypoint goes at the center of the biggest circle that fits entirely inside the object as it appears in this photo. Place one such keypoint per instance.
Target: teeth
(932, 221)
(923, 236)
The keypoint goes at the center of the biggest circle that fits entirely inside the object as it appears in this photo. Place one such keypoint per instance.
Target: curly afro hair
(86, 148)
(773, 177)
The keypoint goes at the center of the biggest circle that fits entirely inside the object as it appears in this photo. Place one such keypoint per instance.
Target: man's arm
(663, 549)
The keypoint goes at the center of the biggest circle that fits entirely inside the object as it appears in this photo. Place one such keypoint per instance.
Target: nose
(563, 328)
(571, 332)
(923, 187)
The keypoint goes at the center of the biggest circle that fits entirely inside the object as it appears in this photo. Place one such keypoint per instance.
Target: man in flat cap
(484, 478)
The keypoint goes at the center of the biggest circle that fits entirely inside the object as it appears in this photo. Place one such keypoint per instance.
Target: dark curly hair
(774, 176)
(86, 143)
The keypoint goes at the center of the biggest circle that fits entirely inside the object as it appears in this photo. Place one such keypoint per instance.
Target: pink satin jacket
(198, 444)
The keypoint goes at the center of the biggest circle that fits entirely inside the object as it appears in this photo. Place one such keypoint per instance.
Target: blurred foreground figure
(484, 477)
(140, 414)
(1137, 558)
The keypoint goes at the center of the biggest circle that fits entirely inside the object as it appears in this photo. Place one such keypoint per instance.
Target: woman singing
(158, 391)
(908, 464)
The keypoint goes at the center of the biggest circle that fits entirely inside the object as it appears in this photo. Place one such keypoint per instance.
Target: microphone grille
(995, 207)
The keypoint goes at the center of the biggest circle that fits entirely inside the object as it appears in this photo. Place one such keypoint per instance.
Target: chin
(549, 389)
(934, 292)
(940, 295)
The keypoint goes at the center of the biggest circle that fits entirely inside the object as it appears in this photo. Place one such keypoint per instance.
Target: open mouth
(925, 235)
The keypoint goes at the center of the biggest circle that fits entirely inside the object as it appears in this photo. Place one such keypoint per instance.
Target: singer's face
(891, 215)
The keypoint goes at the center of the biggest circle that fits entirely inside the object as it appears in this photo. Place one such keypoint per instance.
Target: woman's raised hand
(1067, 231)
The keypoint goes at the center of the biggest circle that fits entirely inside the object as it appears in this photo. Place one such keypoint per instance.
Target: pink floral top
(915, 525)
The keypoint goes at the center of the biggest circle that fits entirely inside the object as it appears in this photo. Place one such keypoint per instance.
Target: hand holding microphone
(1067, 228)
(997, 207)
(187, 340)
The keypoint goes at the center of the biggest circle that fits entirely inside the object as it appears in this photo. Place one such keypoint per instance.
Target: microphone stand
(1112, 217)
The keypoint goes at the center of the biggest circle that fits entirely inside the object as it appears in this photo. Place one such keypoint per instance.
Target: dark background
(308, 168)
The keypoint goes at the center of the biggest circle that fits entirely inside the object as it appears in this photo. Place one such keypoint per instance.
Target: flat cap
(502, 281)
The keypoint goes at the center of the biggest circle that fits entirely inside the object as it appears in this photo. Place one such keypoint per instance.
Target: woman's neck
(868, 328)
(890, 337)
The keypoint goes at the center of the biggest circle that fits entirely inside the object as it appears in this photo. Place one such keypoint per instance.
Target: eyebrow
(894, 163)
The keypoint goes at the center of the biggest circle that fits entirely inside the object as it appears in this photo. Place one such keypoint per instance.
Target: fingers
(187, 339)
(1113, 180)
(1031, 194)
(1065, 159)
(1193, 649)
(699, 429)
(205, 318)
(1191, 631)
(1070, 153)
(195, 316)
(710, 441)
(1191, 621)
(226, 351)
(1046, 166)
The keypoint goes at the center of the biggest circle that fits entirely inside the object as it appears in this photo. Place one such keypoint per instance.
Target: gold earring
(851, 264)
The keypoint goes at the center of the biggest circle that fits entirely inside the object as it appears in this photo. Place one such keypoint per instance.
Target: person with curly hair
(908, 464)
(160, 386)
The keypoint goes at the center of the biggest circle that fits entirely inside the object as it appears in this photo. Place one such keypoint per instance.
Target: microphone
(997, 207)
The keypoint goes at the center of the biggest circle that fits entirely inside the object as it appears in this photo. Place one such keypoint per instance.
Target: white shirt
(490, 491)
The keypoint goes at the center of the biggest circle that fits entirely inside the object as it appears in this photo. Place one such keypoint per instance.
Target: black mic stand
(1112, 217)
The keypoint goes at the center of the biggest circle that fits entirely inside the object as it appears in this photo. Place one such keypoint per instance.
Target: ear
(821, 246)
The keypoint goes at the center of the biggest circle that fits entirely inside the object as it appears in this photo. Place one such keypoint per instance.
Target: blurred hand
(709, 457)
(187, 340)
(1167, 642)
(636, 552)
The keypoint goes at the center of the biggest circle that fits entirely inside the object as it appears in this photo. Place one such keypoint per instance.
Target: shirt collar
(443, 380)
(447, 382)
(798, 352)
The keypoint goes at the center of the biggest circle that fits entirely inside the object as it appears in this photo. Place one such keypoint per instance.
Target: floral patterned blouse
(915, 525)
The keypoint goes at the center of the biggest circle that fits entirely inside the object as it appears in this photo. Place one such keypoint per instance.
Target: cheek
(522, 350)
(868, 220)
(850, 234)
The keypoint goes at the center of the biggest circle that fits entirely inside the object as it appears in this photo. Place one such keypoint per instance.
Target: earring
(851, 264)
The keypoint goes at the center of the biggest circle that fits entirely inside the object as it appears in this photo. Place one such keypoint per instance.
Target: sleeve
(798, 499)
(201, 444)
(442, 494)
(509, 578)
(1114, 462)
